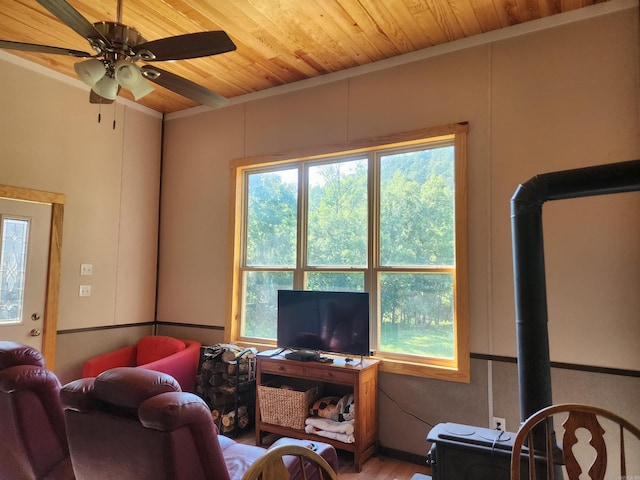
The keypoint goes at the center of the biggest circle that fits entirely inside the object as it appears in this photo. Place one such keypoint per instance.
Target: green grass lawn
(431, 341)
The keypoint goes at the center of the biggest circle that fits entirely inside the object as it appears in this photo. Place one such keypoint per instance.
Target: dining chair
(576, 454)
(271, 466)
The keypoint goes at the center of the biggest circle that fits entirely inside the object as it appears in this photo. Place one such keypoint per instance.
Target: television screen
(336, 322)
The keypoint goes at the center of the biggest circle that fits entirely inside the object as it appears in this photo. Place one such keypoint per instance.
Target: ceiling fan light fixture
(127, 73)
(90, 71)
(107, 88)
(141, 89)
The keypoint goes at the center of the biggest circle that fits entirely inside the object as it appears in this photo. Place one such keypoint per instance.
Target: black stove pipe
(534, 369)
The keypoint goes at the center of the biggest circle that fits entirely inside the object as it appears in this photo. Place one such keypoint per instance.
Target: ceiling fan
(119, 47)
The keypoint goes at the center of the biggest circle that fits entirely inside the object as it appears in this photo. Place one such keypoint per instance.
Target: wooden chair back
(271, 465)
(553, 454)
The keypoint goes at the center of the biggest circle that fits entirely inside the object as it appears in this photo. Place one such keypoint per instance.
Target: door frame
(52, 295)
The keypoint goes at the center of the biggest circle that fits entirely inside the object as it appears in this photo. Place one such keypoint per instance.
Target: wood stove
(467, 452)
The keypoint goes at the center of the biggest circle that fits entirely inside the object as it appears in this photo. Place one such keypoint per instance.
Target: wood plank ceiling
(278, 41)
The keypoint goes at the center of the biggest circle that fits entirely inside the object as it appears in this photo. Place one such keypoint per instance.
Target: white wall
(554, 99)
(51, 140)
(567, 98)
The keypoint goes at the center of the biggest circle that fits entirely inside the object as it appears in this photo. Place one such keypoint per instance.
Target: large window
(384, 217)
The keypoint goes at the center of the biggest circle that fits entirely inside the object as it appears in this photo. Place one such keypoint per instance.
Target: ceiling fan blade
(33, 47)
(184, 87)
(190, 45)
(73, 19)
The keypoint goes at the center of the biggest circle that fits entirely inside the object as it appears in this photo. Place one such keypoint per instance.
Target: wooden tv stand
(339, 376)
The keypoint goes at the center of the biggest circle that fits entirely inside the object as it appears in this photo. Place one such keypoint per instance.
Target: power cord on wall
(402, 409)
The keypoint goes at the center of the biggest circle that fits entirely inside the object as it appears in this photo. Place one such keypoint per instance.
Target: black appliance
(467, 452)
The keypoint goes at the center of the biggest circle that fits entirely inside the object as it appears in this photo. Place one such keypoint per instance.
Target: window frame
(457, 369)
(3, 218)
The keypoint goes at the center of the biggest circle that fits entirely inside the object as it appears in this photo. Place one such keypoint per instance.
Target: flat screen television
(319, 321)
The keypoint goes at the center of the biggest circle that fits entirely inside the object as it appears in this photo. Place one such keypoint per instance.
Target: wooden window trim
(458, 370)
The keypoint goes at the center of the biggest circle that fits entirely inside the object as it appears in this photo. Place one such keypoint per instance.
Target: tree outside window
(386, 220)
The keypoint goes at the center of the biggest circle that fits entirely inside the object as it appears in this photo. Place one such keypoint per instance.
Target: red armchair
(133, 423)
(178, 358)
(33, 441)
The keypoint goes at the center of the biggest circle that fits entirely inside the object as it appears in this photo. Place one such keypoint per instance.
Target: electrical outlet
(85, 291)
(499, 423)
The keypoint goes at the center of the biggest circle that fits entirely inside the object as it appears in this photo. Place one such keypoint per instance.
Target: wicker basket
(286, 407)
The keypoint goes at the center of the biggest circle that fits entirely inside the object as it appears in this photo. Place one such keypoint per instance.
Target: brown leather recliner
(133, 424)
(33, 442)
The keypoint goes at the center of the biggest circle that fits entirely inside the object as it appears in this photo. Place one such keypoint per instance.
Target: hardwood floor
(376, 468)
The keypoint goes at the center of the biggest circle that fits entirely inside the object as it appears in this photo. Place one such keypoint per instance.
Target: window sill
(416, 369)
(401, 367)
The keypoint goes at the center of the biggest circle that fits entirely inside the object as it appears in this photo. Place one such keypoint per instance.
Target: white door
(24, 250)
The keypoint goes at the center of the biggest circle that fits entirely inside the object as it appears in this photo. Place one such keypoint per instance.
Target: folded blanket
(329, 425)
(334, 408)
(341, 437)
